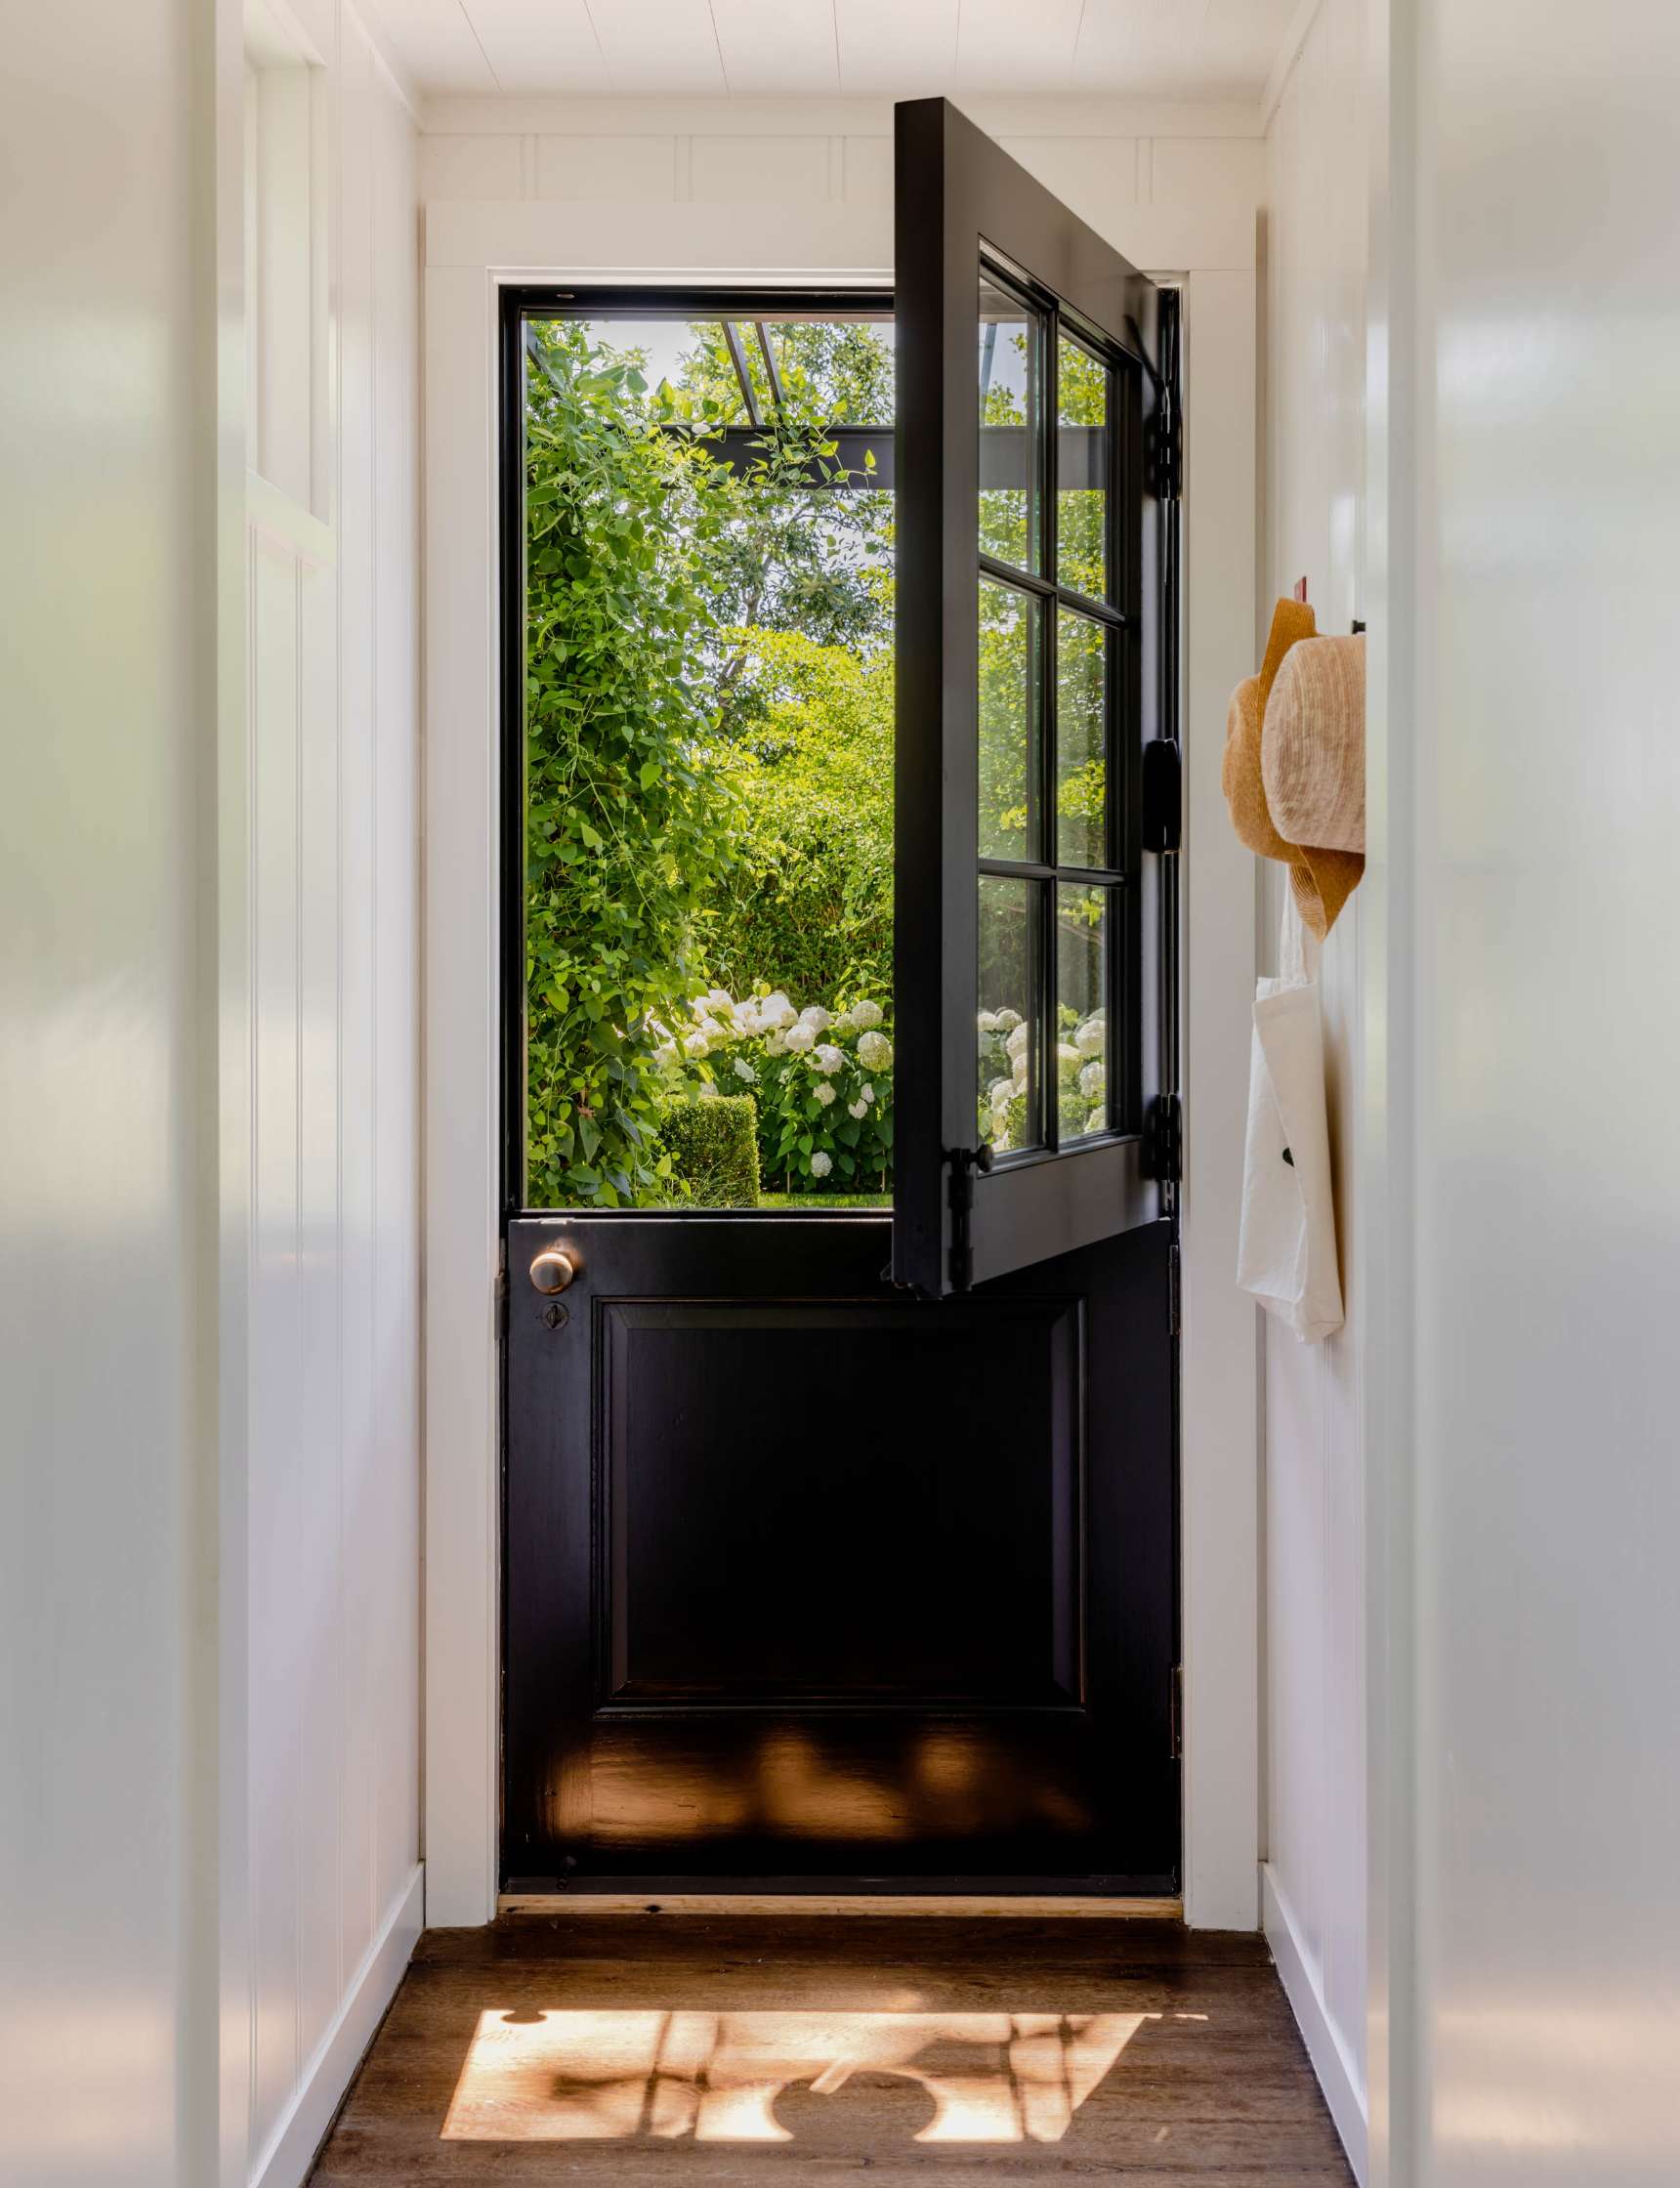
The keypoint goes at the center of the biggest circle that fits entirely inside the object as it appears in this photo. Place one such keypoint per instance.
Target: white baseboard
(290, 2151)
(1336, 2073)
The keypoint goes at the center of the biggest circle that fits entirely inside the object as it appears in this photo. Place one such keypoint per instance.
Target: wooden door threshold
(1086, 1906)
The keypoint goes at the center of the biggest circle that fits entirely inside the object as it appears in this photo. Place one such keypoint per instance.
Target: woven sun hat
(1311, 744)
(1312, 770)
(1240, 772)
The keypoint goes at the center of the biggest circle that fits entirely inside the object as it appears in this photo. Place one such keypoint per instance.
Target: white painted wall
(1523, 1187)
(208, 1169)
(107, 615)
(1313, 1395)
(333, 1340)
(800, 189)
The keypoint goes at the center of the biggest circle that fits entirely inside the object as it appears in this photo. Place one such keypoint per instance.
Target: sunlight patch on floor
(593, 2076)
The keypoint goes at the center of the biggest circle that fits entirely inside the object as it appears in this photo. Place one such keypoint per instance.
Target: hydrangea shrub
(821, 1081)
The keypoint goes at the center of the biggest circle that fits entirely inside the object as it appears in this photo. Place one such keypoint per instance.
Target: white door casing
(473, 250)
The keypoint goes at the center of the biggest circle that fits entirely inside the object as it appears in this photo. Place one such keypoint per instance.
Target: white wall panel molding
(468, 247)
(1314, 1396)
(1070, 115)
(794, 239)
(332, 1300)
(285, 2159)
(1220, 1482)
(1337, 2069)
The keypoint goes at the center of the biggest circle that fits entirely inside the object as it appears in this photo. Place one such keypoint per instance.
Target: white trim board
(856, 114)
(790, 240)
(291, 2149)
(1339, 2076)
(472, 249)
(893, 1907)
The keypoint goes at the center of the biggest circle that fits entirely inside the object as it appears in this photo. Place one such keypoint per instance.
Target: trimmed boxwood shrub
(713, 1147)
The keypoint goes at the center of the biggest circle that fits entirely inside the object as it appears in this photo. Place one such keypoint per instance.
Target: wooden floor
(770, 2050)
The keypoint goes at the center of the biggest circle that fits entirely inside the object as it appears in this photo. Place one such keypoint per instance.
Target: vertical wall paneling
(333, 1538)
(1313, 1431)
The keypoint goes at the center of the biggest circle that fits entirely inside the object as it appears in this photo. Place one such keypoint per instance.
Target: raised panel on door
(808, 1579)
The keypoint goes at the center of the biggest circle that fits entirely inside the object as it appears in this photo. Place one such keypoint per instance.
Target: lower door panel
(811, 1582)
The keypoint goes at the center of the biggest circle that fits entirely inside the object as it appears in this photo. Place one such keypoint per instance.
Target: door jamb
(461, 1067)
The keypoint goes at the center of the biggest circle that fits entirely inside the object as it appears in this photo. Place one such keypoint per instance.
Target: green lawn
(814, 1203)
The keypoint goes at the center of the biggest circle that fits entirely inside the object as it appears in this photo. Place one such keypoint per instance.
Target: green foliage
(628, 827)
(822, 1080)
(713, 1149)
(793, 556)
(807, 906)
(708, 748)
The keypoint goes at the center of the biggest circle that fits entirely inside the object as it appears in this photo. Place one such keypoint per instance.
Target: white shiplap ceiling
(1156, 49)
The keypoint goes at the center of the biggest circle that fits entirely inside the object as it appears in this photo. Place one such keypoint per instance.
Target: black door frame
(517, 303)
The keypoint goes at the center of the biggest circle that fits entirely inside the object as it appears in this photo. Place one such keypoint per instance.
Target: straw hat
(1239, 775)
(1311, 744)
(1316, 706)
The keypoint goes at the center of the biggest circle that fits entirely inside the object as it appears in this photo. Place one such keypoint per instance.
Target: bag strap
(1297, 950)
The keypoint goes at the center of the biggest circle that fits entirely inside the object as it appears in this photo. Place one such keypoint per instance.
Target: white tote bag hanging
(1287, 1255)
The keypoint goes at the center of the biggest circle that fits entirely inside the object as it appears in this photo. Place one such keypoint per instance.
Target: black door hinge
(1164, 1133)
(964, 1162)
(1164, 447)
(1162, 794)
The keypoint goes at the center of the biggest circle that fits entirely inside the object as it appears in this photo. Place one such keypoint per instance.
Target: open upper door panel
(1034, 961)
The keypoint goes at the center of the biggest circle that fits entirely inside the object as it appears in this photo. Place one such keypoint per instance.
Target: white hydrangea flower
(1096, 1122)
(1018, 1036)
(827, 1058)
(694, 1044)
(1000, 1093)
(1067, 1053)
(720, 999)
(987, 1022)
(712, 1031)
(825, 1093)
(777, 1044)
(857, 1109)
(700, 1005)
(845, 1023)
(874, 1051)
(1019, 1082)
(746, 1019)
(1007, 1021)
(821, 1164)
(744, 1071)
(665, 1053)
(866, 1015)
(799, 1038)
(1091, 1037)
(1091, 1080)
(868, 1094)
(815, 1017)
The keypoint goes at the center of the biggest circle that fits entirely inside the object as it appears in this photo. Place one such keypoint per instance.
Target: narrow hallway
(614, 2047)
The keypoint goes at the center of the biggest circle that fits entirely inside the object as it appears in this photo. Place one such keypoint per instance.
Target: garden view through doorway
(708, 527)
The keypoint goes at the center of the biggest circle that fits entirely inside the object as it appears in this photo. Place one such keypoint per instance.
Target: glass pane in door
(1084, 399)
(1081, 740)
(1083, 1040)
(1010, 623)
(1010, 428)
(1007, 1043)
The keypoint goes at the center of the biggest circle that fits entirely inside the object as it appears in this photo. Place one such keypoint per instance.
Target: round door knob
(552, 1271)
